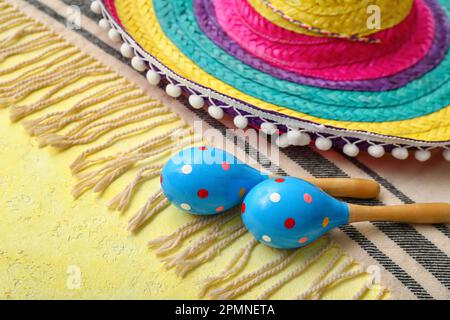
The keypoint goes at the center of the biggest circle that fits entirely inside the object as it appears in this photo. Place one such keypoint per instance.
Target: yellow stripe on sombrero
(344, 17)
(138, 18)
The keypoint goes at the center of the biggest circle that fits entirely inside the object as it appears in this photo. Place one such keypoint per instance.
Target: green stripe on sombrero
(421, 97)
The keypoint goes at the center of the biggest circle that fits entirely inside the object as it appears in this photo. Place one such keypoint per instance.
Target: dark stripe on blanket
(396, 192)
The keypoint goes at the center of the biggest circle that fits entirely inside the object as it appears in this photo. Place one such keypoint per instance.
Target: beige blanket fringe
(111, 111)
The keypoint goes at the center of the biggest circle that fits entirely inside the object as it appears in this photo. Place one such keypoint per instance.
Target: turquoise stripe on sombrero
(423, 96)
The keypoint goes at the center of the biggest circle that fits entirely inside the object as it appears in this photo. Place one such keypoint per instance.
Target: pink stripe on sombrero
(111, 7)
(331, 59)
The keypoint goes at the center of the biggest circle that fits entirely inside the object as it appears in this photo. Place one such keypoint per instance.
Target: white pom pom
(298, 138)
(114, 35)
(103, 24)
(173, 90)
(323, 144)
(196, 101)
(138, 64)
(268, 128)
(400, 153)
(216, 112)
(422, 155)
(153, 77)
(126, 50)
(446, 154)
(282, 141)
(376, 151)
(351, 150)
(240, 122)
(95, 7)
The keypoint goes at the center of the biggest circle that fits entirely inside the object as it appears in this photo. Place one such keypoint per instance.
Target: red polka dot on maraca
(225, 166)
(289, 223)
(307, 197)
(203, 148)
(202, 193)
(325, 222)
(279, 180)
(243, 207)
(219, 209)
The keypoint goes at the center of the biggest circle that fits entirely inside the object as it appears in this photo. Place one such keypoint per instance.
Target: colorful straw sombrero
(327, 72)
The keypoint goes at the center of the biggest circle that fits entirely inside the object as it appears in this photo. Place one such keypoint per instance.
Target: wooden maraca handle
(409, 213)
(347, 187)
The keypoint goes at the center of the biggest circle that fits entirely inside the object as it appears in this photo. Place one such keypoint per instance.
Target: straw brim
(424, 128)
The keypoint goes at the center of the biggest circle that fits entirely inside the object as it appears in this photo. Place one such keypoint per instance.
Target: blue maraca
(208, 180)
(289, 212)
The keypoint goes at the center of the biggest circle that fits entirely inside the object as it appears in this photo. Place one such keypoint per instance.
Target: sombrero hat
(356, 75)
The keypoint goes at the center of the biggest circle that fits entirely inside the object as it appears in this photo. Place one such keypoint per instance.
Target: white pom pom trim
(268, 128)
(282, 141)
(400, 153)
(351, 150)
(173, 90)
(126, 50)
(376, 151)
(114, 35)
(95, 7)
(323, 144)
(153, 77)
(196, 101)
(298, 138)
(103, 24)
(138, 64)
(267, 125)
(446, 154)
(240, 122)
(216, 112)
(422, 155)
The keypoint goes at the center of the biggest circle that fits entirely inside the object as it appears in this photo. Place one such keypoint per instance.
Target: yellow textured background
(43, 232)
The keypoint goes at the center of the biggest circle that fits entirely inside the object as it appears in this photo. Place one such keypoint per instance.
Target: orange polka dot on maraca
(325, 222)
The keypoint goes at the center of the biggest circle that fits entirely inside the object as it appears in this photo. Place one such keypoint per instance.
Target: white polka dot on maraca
(185, 206)
(186, 169)
(275, 197)
(266, 238)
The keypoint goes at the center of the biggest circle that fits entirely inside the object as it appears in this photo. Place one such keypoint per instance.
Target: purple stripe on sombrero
(207, 20)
